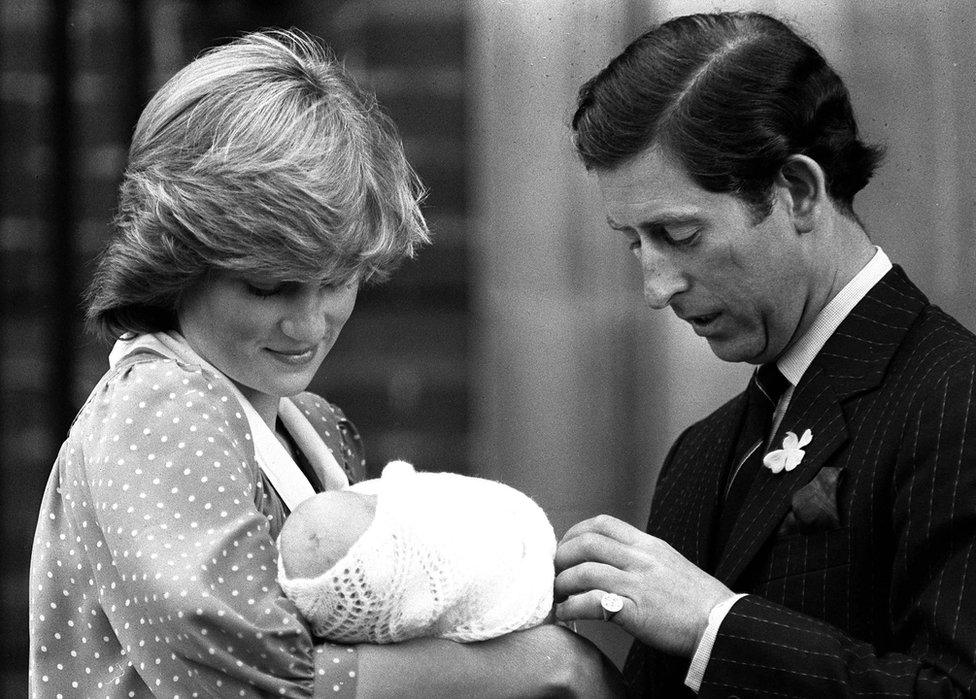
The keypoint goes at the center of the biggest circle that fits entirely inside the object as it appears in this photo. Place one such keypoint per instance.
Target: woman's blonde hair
(260, 157)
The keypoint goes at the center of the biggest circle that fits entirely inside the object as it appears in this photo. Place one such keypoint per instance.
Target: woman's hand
(545, 661)
(666, 598)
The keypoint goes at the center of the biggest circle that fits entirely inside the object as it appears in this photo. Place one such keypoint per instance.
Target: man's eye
(680, 236)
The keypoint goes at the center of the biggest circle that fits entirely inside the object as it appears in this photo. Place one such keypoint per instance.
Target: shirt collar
(798, 357)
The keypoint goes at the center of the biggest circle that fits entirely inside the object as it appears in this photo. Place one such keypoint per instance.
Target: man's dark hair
(730, 96)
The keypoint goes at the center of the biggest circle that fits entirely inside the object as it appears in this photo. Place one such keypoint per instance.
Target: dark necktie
(762, 395)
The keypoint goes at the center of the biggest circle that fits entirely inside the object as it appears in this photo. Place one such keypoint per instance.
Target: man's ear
(805, 184)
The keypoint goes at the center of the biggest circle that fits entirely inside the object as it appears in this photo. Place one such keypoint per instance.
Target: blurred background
(517, 347)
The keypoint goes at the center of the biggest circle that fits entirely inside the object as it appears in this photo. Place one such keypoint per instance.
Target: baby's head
(322, 529)
(366, 563)
(418, 554)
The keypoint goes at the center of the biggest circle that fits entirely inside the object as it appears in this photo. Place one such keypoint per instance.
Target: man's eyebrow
(676, 219)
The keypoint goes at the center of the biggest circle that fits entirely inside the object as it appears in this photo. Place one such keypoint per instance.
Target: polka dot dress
(153, 567)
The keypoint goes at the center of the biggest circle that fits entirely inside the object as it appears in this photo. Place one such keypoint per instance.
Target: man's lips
(701, 321)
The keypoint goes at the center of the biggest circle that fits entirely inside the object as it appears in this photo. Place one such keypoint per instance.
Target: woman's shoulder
(147, 371)
(152, 387)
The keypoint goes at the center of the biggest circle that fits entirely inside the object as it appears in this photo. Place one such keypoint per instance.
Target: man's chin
(728, 350)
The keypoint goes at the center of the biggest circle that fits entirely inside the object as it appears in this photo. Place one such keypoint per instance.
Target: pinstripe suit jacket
(885, 603)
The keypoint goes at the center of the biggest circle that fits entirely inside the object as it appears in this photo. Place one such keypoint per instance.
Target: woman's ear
(805, 184)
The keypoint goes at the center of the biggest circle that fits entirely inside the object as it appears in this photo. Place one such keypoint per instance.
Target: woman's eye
(263, 291)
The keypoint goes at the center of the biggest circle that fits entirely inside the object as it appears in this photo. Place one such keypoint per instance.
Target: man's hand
(666, 598)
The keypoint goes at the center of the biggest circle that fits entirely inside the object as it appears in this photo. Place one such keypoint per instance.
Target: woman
(263, 187)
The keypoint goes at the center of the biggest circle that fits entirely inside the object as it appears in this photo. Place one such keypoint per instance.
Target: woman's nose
(307, 319)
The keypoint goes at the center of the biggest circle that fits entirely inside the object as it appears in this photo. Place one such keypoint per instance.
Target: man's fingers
(596, 547)
(587, 605)
(588, 576)
(607, 526)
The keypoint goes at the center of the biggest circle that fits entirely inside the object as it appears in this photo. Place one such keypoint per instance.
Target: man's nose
(307, 319)
(662, 277)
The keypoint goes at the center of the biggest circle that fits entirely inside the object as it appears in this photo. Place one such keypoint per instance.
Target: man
(842, 562)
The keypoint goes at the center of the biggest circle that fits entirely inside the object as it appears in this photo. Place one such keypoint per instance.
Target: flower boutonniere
(789, 457)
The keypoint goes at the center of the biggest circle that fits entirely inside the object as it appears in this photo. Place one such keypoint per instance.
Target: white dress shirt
(792, 364)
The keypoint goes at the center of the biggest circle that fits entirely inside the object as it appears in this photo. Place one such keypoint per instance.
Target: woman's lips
(293, 357)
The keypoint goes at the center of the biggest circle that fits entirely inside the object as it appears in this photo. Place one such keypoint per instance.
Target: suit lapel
(688, 493)
(842, 370)
(816, 405)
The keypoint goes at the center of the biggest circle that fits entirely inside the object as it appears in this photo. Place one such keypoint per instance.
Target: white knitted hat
(446, 555)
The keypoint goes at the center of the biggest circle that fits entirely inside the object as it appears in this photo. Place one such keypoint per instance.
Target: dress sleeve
(182, 558)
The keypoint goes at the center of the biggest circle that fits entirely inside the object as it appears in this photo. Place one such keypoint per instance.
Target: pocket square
(814, 506)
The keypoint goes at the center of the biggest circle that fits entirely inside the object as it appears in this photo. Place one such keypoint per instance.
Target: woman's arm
(181, 558)
(545, 661)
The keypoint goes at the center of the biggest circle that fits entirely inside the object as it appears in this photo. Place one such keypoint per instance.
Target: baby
(418, 554)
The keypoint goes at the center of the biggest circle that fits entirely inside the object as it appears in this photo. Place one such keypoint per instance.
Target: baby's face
(322, 529)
